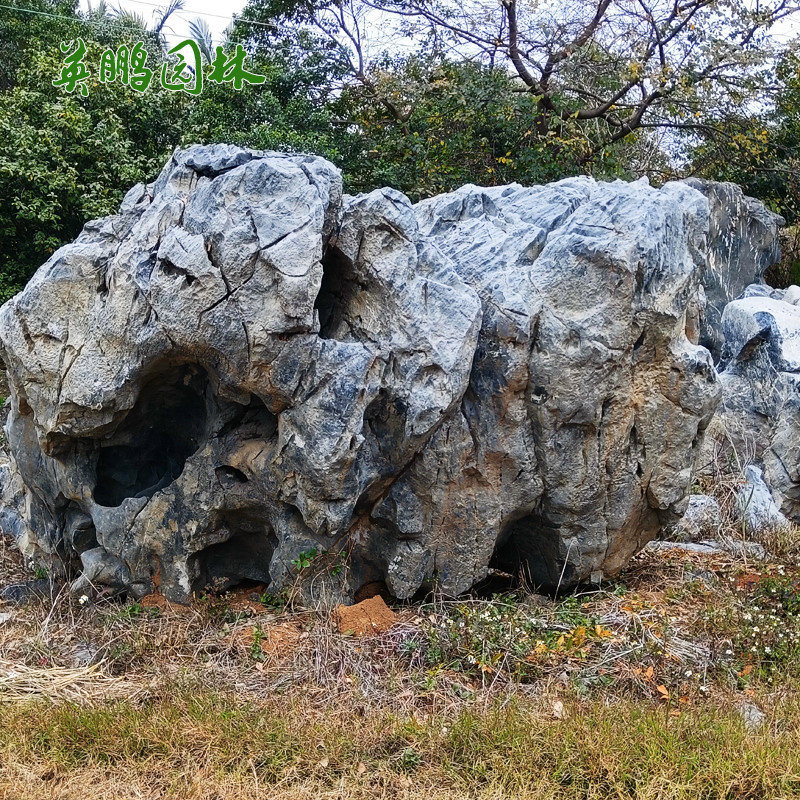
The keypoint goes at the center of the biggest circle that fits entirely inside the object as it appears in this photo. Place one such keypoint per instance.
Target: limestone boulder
(759, 418)
(743, 244)
(245, 376)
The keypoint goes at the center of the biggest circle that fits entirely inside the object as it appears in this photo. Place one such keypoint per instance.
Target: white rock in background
(702, 520)
(742, 245)
(792, 295)
(756, 506)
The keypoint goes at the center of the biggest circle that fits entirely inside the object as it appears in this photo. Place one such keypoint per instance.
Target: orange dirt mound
(368, 617)
(276, 643)
(160, 602)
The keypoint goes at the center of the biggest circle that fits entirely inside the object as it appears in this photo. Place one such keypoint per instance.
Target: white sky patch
(217, 15)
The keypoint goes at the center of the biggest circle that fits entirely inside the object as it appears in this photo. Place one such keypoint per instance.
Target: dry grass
(196, 743)
(629, 691)
(19, 682)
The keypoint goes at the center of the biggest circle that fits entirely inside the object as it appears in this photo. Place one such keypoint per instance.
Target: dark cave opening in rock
(242, 559)
(150, 447)
(528, 549)
(337, 295)
(251, 421)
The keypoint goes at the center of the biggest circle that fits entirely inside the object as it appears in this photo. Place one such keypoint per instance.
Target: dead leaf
(663, 691)
(558, 710)
(361, 768)
(602, 633)
(324, 762)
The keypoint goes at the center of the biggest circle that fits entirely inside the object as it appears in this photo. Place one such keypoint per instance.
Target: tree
(598, 72)
(65, 158)
(465, 124)
(289, 111)
(759, 150)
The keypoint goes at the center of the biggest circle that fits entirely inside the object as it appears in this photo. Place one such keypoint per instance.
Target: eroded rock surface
(243, 373)
(759, 419)
(743, 244)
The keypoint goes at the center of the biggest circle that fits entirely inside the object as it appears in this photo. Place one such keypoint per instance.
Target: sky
(216, 14)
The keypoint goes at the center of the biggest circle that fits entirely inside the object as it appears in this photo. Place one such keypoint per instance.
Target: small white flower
(83, 599)
(688, 673)
(729, 652)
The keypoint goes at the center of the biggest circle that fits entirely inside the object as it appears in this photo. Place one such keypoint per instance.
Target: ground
(679, 679)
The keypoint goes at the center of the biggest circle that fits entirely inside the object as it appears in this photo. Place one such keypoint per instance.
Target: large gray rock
(743, 244)
(242, 368)
(755, 505)
(759, 419)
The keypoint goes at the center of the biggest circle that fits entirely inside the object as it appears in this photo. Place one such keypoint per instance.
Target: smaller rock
(101, 568)
(366, 618)
(755, 505)
(705, 548)
(740, 549)
(752, 716)
(702, 520)
(79, 532)
(704, 576)
(761, 290)
(26, 592)
(84, 654)
(792, 295)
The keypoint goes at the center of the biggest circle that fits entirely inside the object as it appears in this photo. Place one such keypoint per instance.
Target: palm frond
(130, 19)
(164, 14)
(100, 10)
(201, 33)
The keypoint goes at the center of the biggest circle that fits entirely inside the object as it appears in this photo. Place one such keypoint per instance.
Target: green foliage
(255, 648)
(277, 601)
(483, 638)
(465, 124)
(769, 636)
(65, 159)
(759, 151)
(304, 559)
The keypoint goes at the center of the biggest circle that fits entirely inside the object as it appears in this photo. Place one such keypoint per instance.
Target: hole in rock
(241, 559)
(150, 447)
(373, 589)
(168, 268)
(338, 295)
(229, 476)
(528, 549)
(253, 421)
(386, 418)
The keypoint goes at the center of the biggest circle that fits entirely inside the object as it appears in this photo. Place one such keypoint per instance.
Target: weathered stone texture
(242, 366)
